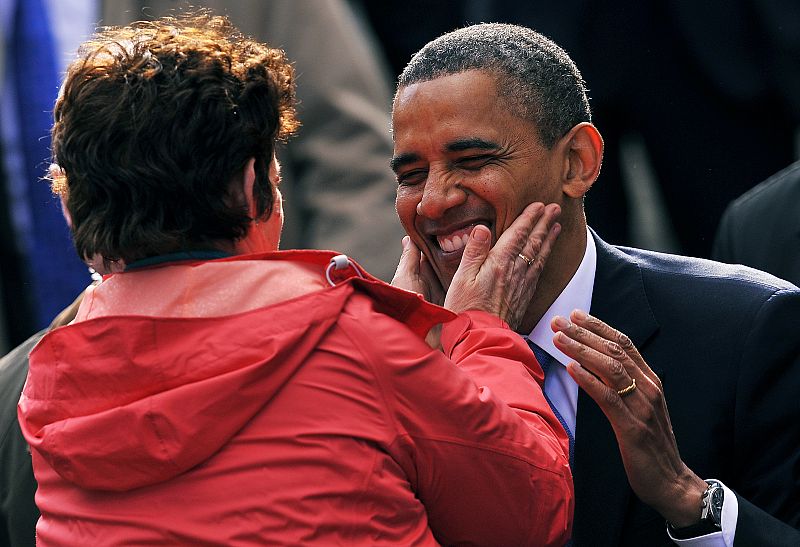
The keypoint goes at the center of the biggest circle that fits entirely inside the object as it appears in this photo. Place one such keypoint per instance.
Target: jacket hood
(121, 402)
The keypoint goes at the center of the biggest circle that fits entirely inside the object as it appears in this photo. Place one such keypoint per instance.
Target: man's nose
(442, 192)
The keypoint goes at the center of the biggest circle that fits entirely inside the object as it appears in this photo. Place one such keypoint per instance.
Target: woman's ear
(240, 190)
(248, 184)
(583, 155)
(64, 211)
(263, 235)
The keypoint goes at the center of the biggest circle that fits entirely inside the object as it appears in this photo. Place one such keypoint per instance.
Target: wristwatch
(710, 515)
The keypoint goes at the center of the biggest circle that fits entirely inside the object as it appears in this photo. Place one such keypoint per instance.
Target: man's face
(461, 159)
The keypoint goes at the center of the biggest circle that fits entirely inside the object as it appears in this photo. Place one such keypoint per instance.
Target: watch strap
(710, 514)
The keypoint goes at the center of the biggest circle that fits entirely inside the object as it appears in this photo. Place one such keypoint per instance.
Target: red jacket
(245, 401)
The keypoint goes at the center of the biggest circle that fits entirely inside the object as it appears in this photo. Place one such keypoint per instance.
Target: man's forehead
(457, 82)
(464, 98)
(447, 107)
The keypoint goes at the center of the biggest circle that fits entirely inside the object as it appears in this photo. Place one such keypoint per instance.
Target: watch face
(717, 496)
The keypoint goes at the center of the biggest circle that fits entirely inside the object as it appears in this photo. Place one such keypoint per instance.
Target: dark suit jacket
(725, 341)
(761, 228)
(18, 513)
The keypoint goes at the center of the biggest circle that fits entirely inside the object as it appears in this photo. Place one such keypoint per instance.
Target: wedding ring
(630, 389)
(529, 261)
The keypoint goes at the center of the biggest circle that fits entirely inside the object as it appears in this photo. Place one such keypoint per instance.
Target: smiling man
(490, 118)
(464, 158)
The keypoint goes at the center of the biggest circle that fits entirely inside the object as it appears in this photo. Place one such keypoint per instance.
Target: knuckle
(615, 367)
(649, 421)
(611, 398)
(593, 322)
(655, 394)
(624, 342)
(582, 350)
(613, 349)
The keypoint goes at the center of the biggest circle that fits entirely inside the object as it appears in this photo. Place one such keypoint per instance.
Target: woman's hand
(414, 273)
(502, 279)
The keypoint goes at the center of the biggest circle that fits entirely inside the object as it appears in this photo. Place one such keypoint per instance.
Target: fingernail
(580, 315)
(479, 234)
(405, 241)
(560, 322)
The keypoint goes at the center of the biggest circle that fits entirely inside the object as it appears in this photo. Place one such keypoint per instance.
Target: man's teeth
(453, 242)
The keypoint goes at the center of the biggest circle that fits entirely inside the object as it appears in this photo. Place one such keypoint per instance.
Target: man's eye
(412, 177)
(474, 162)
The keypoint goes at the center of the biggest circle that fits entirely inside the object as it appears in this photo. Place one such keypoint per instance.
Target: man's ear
(583, 154)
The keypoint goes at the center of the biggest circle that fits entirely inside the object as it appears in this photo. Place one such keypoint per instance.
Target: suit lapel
(601, 487)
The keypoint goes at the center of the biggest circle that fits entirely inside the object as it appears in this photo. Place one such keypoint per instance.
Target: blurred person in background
(761, 228)
(39, 271)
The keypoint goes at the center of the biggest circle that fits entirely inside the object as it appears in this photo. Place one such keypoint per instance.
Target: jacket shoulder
(704, 274)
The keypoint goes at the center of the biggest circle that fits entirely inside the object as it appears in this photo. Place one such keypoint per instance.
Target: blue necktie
(546, 360)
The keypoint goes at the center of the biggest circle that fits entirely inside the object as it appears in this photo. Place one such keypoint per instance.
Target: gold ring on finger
(630, 389)
(529, 261)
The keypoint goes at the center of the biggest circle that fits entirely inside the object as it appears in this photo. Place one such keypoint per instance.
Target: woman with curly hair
(215, 390)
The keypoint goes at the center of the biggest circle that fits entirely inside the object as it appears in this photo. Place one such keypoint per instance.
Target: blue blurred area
(41, 273)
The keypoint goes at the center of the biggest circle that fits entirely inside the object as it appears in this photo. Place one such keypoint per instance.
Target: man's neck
(561, 266)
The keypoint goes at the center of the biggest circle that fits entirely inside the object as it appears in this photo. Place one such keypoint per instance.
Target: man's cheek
(405, 212)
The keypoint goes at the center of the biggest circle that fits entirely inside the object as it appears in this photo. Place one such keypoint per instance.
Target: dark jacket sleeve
(757, 528)
(18, 512)
(768, 428)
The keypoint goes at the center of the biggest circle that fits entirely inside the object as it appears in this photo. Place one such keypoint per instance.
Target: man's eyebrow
(471, 144)
(402, 159)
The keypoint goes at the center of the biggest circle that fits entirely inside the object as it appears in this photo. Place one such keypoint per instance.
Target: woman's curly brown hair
(154, 122)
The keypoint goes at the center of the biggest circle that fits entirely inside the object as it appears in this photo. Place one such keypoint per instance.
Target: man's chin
(446, 268)
(445, 278)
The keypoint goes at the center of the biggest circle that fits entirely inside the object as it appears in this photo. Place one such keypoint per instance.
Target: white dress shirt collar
(577, 294)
